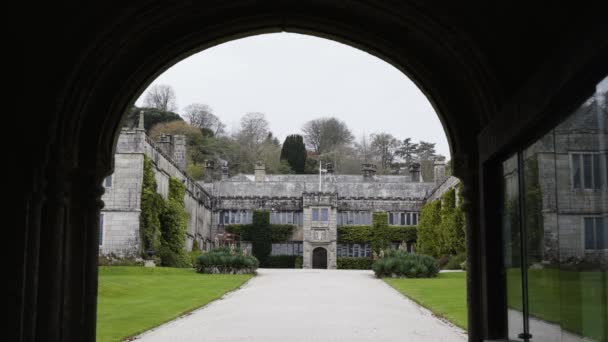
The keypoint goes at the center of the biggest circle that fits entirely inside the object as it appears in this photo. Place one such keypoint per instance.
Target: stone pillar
(209, 166)
(260, 171)
(439, 172)
(179, 150)
(140, 124)
(164, 143)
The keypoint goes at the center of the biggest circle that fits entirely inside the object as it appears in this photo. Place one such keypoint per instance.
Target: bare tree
(364, 149)
(384, 145)
(326, 134)
(161, 96)
(252, 135)
(201, 116)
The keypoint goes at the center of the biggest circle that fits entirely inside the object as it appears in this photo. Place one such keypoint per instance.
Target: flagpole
(319, 175)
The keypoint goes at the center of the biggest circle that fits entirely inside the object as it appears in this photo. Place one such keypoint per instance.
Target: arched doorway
(319, 258)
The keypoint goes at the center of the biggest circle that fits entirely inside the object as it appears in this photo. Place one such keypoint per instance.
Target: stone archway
(490, 82)
(319, 258)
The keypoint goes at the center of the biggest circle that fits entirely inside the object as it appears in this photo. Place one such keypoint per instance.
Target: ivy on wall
(163, 223)
(379, 234)
(278, 232)
(151, 207)
(442, 226)
(174, 223)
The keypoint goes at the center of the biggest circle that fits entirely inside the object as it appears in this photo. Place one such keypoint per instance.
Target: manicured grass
(134, 299)
(445, 295)
(576, 300)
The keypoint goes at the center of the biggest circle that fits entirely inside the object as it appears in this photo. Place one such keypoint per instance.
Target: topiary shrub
(355, 263)
(299, 262)
(455, 261)
(397, 263)
(228, 261)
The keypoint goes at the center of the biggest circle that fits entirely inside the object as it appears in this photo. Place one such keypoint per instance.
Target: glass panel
(415, 219)
(315, 214)
(100, 229)
(600, 233)
(576, 171)
(408, 219)
(390, 218)
(324, 214)
(541, 238)
(512, 246)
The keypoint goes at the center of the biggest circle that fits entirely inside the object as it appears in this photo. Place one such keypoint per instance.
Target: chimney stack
(260, 171)
(179, 150)
(225, 174)
(415, 173)
(439, 172)
(209, 166)
(369, 171)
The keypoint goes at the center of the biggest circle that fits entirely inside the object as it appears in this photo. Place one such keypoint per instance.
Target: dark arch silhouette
(319, 258)
(494, 85)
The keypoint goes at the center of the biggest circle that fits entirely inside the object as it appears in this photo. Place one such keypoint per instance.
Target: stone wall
(123, 199)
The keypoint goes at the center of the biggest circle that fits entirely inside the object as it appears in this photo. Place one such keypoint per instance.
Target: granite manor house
(317, 204)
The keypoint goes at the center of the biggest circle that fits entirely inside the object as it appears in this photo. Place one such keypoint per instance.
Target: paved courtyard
(309, 305)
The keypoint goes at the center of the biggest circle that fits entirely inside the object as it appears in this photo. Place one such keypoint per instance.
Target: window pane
(589, 233)
(390, 218)
(597, 174)
(415, 219)
(339, 219)
(587, 171)
(315, 214)
(601, 233)
(408, 219)
(402, 219)
(324, 214)
(576, 171)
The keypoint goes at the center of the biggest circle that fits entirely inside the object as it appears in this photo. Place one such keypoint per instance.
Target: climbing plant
(261, 237)
(174, 223)
(278, 232)
(151, 207)
(442, 226)
(379, 234)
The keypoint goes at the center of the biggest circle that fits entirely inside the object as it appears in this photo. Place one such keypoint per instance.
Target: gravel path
(309, 305)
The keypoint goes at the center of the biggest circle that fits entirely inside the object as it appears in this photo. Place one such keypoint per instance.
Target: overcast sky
(294, 78)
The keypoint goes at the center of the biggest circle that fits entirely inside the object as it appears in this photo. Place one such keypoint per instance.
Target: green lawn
(576, 300)
(445, 295)
(134, 299)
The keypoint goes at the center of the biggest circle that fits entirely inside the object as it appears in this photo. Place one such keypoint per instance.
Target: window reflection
(557, 284)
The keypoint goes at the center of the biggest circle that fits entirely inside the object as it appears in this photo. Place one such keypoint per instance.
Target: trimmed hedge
(396, 263)
(281, 261)
(278, 232)
(355, 263)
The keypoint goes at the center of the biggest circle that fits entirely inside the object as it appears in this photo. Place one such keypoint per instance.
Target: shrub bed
(456, 261)
(355, 263)
(227, 261)
(397, 263)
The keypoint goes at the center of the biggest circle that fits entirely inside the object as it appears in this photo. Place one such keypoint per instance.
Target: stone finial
(140, 124)
(260, 171)
(209, 166)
